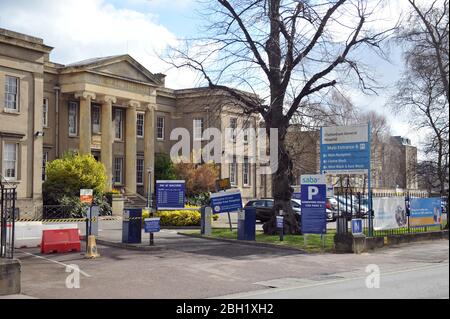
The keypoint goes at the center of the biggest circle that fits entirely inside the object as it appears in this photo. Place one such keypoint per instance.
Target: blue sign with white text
(152, 225)
(344, 157)
(345, 149)
(314, 216)
(425, 212)
(357, 227)
(280, 222)
(226, 202)
(170, 194)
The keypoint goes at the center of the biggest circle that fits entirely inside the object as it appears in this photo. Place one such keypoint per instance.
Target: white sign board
(390, 213)
(345, 134)
(313, 179)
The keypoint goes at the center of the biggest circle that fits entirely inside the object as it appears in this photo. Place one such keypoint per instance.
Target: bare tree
(287, 52)
(423, 89)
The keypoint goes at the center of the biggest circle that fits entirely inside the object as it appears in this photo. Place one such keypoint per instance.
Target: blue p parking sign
(313, 194)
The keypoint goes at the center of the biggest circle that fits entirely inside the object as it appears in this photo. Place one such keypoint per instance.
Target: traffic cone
(92, 248)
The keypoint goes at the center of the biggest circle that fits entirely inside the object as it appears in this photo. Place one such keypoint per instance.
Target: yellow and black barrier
(71, 220)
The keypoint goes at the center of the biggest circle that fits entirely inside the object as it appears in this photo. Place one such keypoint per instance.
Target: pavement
(198, 268)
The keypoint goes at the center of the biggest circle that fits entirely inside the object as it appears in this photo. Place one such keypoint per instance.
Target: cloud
(83, 29)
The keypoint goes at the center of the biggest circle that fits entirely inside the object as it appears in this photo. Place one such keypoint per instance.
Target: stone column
(85, 121)
(107, 137)
(149, 144)
(130, 148)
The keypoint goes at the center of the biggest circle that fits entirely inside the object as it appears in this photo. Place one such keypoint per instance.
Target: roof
(24, 40)
(94, 63)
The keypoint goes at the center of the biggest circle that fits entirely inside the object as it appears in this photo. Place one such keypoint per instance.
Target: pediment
(123, 66)
(126, 70)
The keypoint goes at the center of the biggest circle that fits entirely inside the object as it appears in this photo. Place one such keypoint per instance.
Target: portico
(108, 106)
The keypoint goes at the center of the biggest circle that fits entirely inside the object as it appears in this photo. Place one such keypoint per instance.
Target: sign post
(314, 216)
(226, 202)
(87, 197)
(280, 225)
(346, 150)
(152, 225)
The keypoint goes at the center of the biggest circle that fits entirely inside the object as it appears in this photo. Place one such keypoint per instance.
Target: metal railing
(356, 205)
(8, 196)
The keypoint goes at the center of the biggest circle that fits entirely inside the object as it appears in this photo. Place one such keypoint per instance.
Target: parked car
(331, 208)
(264, 208)
(346, 207)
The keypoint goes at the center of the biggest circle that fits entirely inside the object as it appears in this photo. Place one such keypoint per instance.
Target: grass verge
(312, 244)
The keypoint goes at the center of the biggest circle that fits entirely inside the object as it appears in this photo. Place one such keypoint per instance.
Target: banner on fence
(425, 212)
(390, 213)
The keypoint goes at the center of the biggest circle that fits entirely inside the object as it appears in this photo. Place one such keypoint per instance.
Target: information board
(345, 149)
(226, 201)
(170, 194)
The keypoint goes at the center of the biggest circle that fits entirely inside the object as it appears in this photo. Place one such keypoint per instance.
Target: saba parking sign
(314, 193)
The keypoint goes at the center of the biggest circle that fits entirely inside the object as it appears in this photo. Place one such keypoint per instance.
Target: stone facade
(111, 107)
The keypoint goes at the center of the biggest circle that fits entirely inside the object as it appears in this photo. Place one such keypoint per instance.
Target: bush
(179, 217)
(200, 178)
(164, 169)
(66, 176)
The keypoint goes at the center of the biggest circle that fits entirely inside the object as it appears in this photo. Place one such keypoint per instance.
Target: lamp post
(149, 190)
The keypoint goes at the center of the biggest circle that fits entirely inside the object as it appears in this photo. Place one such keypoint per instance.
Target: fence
(60, 211)
(8, 198)
(356, 205)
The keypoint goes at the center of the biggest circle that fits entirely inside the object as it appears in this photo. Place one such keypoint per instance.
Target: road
(199, 268)
(421, 282)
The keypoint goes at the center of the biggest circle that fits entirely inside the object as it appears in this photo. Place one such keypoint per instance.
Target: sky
(82, 29)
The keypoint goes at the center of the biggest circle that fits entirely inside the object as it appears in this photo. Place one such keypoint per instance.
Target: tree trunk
(282, 190)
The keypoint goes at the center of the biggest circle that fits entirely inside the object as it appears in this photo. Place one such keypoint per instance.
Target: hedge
(179, 217)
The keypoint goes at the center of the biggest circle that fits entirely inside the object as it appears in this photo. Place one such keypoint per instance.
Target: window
(118, 170)
(246, 172)
(233, 172)
(73, 109)
(95, 118)
(140, 171)
(12, 93)
(44, 162)
(118, 118)
(10, 161)
(140, 125)
(246, 132)
(160, 128)
(198, 129)
(233, 126)
(45, 113)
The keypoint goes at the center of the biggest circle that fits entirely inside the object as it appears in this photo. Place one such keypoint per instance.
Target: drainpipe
(57, 89)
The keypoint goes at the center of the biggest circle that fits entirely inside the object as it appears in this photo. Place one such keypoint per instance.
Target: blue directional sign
(226, 202)
(170, 194)
(345, 149)
(357, 226)
(152, 225)
(280, 222)
(314, 193)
